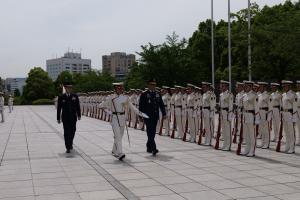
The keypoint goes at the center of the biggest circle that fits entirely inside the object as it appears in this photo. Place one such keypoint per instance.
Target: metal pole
(229, 46)
(249, 41)
(212, 45)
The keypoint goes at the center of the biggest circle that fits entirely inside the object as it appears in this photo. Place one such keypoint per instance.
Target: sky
(32, 31)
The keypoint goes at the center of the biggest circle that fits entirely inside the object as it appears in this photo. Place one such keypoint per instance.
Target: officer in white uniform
(10, 103)
(263, 116)
(174, 91)
(208, 110)
(298, 112)
(226, 111)
(117, 104)
(289, 111)
(2, 106)
(276, 97)
(167, 103)
(249, 110)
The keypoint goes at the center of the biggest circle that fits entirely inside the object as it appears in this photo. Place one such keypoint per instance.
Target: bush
(43, 102)
(18, 100)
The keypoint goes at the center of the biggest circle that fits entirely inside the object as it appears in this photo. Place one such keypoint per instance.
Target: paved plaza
(34, 165)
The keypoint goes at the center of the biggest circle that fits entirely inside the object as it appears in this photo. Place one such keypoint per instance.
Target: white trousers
(289, 132)
(179, 122)
(263, 129)
(192, 126)
(118, 136)
(226, 130)
(249, 134)
(298, 127)
(207, 124)
(2, 115)
(276, 123)
(167, 123)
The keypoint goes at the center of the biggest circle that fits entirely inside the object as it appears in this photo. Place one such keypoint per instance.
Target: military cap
(165, 87)
(118, 84)
(152, 81)
(248, 82)
(206, 83)
(68, 84)
(198, 88)
(298, 82)
(1, 93)
(275, 84)
(262, 83)
(178, 86)
(286, 82)
(224, 82)
(190, 85)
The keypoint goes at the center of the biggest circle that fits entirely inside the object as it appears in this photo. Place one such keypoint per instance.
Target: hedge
(43, 102)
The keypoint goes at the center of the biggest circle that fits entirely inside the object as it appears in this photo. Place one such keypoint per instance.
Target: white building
(11, 84)
(71, 62)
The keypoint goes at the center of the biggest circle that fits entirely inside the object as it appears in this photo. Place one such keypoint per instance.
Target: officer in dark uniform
(150, 103)
(68, 111)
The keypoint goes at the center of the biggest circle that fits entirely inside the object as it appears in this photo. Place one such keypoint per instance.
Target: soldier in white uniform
(249, 110)
(276, 107)
(191, 112)
(289, 108)
(10, 103)
(208, 109)
(226, 111)
(166, 97)
(2, 106)
(174, 91)
(198, 111)
(263, 115)
(184, 112)
(117, 104)
(298, 112)
(178, 112)
(238, 112)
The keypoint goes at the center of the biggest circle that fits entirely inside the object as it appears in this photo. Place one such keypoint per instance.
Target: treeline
(40, 89)
(275, 39)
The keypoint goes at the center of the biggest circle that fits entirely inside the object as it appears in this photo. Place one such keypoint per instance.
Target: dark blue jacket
(150, 103)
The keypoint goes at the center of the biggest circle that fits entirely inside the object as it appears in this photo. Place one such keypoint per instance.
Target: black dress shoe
(155, 152)
(68, 151)
(122, 157)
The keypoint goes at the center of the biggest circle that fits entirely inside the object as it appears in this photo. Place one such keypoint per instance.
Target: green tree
(38, 86)
(17, 93)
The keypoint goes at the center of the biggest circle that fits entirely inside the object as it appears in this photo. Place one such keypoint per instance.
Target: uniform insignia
(73, 98)
(63, 101)
(157, 95)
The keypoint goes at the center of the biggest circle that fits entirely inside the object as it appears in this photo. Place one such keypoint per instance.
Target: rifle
(219, 132)
(235, 130)
(280, 134)
(201, 129)
(129, 121)
(174, 126)
(161, 126)
(186, 129)
(238, 151)
(136, 122)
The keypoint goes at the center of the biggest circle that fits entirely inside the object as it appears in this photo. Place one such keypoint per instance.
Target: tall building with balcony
(118, 64)
(71, 62)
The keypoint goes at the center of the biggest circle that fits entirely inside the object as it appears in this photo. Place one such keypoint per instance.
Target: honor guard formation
(255, 115)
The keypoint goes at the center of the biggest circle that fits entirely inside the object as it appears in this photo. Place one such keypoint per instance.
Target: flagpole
(249, 41)
(229, 46)
(212, 45)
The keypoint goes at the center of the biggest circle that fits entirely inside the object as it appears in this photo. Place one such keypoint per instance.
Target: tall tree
(38, 86)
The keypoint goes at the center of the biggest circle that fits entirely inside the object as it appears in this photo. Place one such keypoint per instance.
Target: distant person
(68, 111)
(150, 104)
(2, 106)
(10, 103)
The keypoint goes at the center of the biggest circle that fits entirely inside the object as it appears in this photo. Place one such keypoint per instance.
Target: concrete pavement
(34, 165)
